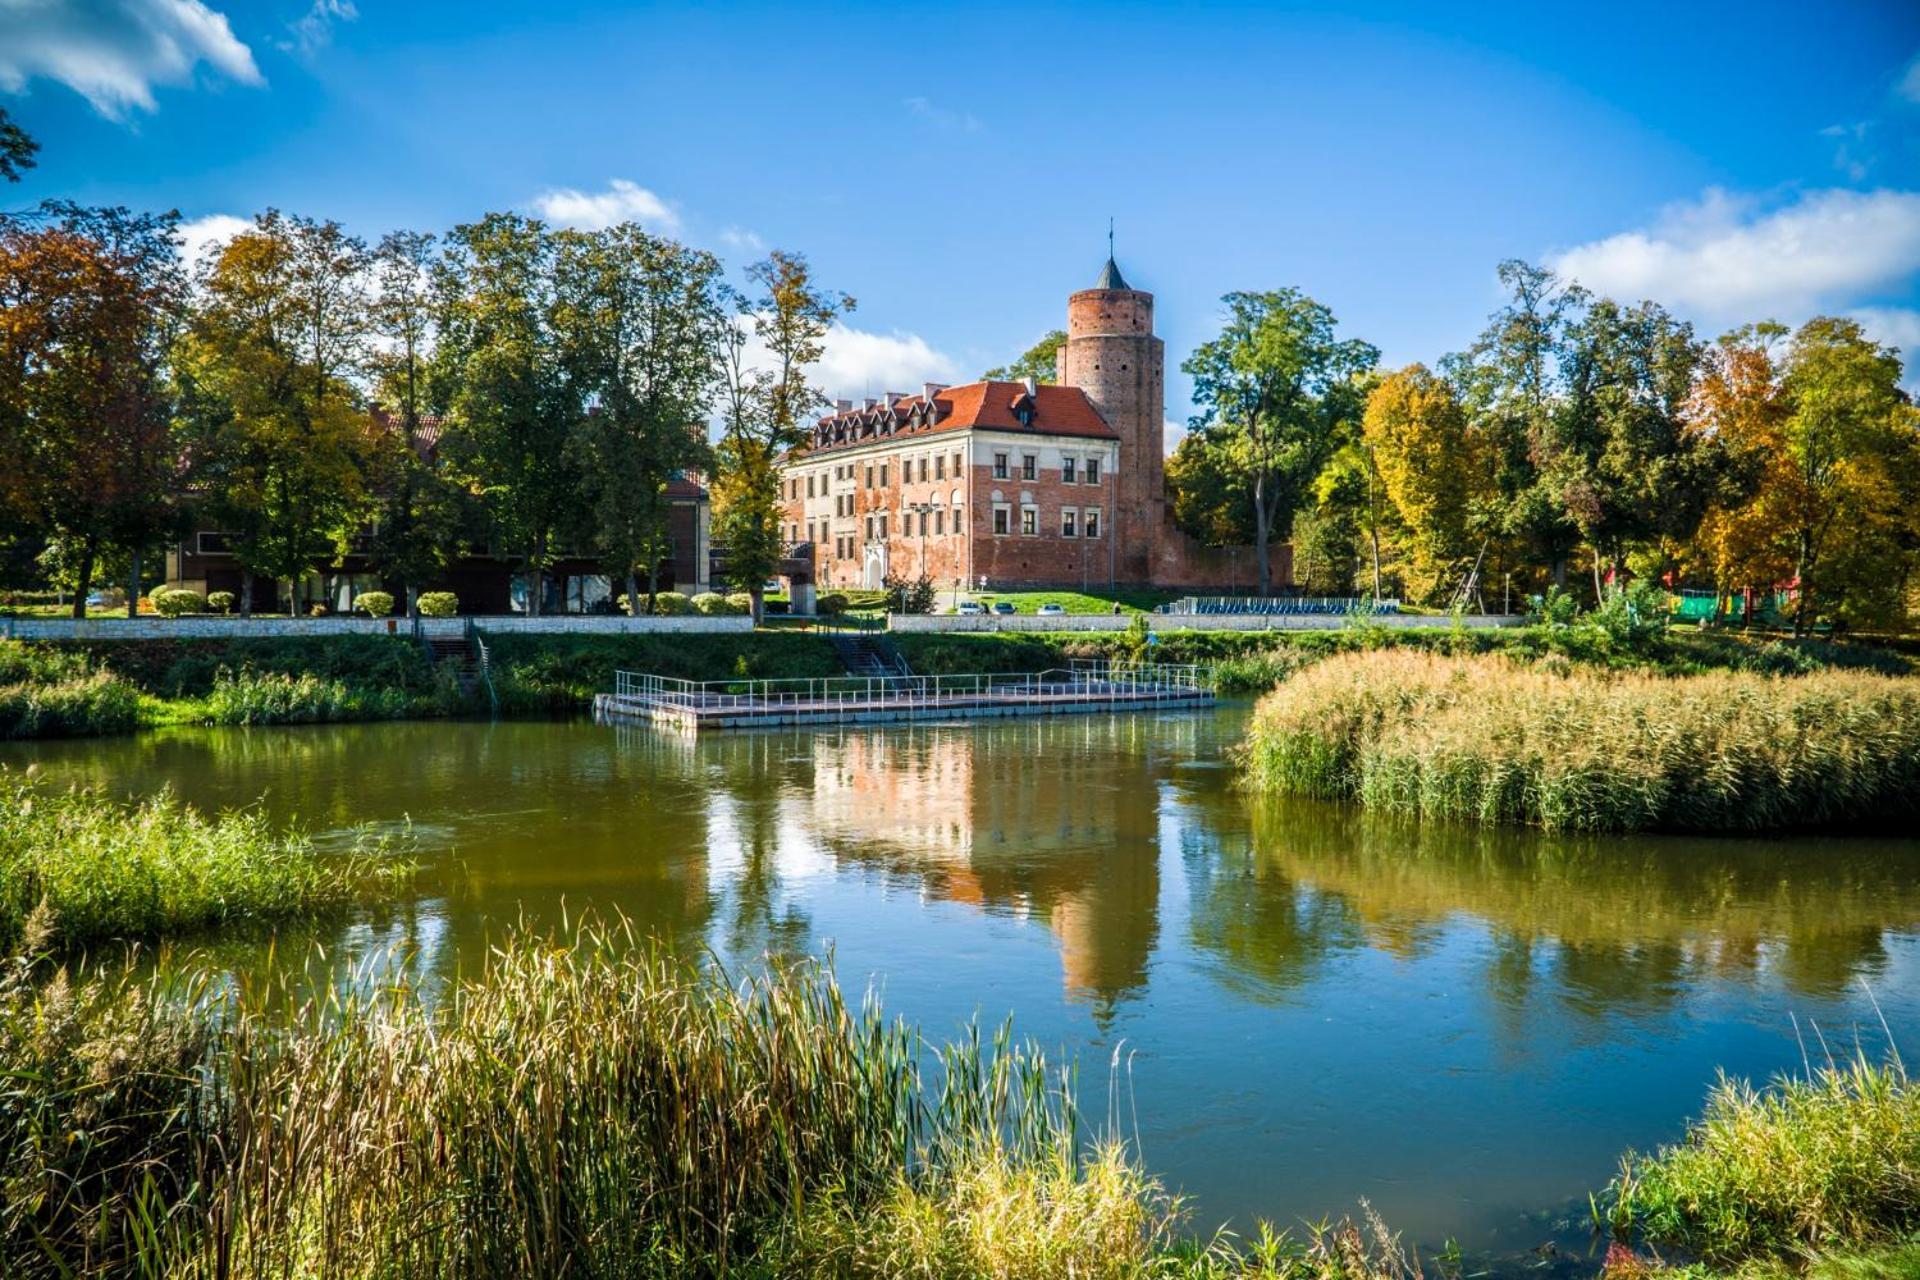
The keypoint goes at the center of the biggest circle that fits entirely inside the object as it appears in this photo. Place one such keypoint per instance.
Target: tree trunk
(293, 597)
(1599, 596)
(759, 588)
(85, 584)
(1560, 572)
(133, 586)
(1376, 563)
(1260, 534)
(246, 592)
(633, 594)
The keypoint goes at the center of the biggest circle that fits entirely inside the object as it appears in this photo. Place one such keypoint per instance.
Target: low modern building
(1007, 484)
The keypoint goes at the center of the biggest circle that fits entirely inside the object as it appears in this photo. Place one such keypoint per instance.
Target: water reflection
(1461, 1024)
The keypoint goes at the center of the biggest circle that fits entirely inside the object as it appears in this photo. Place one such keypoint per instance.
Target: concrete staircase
(454, 654)
(864, 655)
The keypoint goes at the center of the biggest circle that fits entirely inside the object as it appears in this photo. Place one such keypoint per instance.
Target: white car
(971, 607)
(1050, 611)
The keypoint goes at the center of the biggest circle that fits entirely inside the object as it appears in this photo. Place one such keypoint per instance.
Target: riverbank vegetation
(590, 1105)
(1497, 740)
(78, 869)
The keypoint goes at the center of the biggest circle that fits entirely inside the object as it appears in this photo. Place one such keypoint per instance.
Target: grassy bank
(1498, 740)
(587, 1106)
(1826, 1163)
(78, 869)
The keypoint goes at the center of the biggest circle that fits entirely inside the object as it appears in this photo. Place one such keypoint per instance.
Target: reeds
(158, 868)
(53, 693)
(270, 697)
(1816, 1163)
(1571, 749)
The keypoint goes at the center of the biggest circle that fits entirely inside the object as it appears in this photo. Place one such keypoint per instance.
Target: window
(957, 465)
(869, 528)
(1000, 517)
(1093, 471)
(999, 466)
(809, 486)
(939, 521)
(939, 467)
(959, 528)
(1029, 521)
(1067, 465)
(883, 475)
(1029, 467)
(906, 524)
(923, 469)
(1069, 523)
(883, 519)
(1092, 524)
(869, 483)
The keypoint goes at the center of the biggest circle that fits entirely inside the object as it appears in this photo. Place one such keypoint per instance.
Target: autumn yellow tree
(1435, 469)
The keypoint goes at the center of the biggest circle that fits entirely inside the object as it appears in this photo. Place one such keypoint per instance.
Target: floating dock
(699, 707)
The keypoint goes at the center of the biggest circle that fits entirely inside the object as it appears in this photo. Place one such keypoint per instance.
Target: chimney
(888, 397)
(870, 402)
(1033, 387)
(843, 406)
(928, 390)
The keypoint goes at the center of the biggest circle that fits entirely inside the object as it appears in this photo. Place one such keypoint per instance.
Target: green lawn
(1130, 599)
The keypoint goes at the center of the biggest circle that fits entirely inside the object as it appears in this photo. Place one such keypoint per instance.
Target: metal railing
(1280, 606)
(486, 666)
(1087, 681)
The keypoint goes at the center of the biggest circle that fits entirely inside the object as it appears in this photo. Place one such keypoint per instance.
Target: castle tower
(1112, 355)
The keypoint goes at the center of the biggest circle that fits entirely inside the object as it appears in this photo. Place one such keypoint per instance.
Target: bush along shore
(78, 869)
(588, 1105)
(103, 687)
(1576, 749)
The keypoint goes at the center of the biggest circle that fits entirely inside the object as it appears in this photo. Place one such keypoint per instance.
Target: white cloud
(855, 363)
(1725, 257)
(203, 236)
(943, 117)
(314, 30)
(1909, 86)
(622, 201)
(1896, 327)
(738, 238)
(113, 52)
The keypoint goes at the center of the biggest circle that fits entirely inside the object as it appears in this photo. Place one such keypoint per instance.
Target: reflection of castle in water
(1053, 819)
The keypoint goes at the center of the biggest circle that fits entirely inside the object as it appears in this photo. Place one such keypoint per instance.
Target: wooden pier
(699, 707)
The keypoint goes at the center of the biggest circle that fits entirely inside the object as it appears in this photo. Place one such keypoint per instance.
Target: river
(1311, 1006)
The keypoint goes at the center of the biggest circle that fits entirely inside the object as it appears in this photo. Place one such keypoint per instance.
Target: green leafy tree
(278, 432)
(766, 410)
(424, 516)
(500, 371)
(1276, 385)
(16, 149)
(640, 320)
(1212, 498)
(88, 302)
(1039, 362)
(1435, 470)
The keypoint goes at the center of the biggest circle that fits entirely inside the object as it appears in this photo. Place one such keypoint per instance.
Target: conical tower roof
(1110, 277)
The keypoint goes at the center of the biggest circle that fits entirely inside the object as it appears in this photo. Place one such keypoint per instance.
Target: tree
(87, 304)
(1276, 385)
(1435, 469)
(16, 149)
(1212, 499)
(422, 513)
(1616, 455)
(280, 438)
(640, 321)
(1509, 381)
(1041, 361)
(499, 370)
(1848, 463)
(1740, 405)
(765, 410)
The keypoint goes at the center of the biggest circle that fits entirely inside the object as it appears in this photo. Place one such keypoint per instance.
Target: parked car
(1050, 611)
(971, 607)
(1003, 608)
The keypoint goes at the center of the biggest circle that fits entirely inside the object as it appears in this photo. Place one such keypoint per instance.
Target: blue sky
(954, 167)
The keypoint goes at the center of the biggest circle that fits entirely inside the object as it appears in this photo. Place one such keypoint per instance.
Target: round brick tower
(1111, 354)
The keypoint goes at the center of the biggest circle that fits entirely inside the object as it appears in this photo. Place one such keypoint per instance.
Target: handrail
(1085, 681)
(486, 667)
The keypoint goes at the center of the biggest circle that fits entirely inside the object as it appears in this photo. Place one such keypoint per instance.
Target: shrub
(221, 601)
(711, 603)
(375, 604)
(672, 604)
(1586, 750)
(438, 604)
(318, 611)
(830, 605)
(739, 602)
(79, 706)
(178, 602)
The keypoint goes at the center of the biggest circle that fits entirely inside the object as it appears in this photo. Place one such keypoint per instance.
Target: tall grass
(152, 869)
(1814, 1163)
(1573, 749)
(52, 693)
(257, 698)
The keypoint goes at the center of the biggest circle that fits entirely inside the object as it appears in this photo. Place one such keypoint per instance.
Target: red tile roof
(987, 406)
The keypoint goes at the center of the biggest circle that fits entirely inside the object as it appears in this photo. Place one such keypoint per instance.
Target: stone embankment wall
(1185, 622)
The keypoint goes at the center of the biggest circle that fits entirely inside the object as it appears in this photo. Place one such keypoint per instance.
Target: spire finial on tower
(1110, 277)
